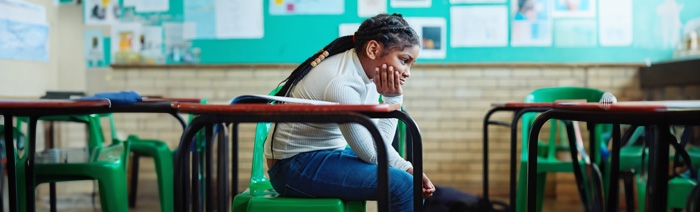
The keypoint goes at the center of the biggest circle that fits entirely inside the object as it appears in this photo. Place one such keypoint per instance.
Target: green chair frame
(163, 159)
(106, 164)
(547, 152)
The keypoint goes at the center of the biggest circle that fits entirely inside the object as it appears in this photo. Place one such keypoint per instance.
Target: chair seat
(678, 189)
(272, 202)
(551, 165)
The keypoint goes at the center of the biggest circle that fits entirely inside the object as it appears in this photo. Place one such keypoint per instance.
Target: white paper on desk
(615, 22)
(369, 8)
(239, 18)
(143, 6)
(476, 26)
(256, 98)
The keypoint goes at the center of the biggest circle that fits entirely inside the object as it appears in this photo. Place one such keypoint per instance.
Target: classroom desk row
(659, 115)
(210, 115)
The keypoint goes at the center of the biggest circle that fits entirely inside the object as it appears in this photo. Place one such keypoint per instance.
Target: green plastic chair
(260, 196)
(547, 161)
(163, 160)
(106, 164)
(679, 187)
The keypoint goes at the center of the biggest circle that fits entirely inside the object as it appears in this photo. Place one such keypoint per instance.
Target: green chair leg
(163, 159)
(521, 200)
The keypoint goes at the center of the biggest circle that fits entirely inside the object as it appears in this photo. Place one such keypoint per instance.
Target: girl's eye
(403, 61)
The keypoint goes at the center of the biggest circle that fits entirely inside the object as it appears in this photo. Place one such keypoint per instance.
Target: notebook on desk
(264, 99)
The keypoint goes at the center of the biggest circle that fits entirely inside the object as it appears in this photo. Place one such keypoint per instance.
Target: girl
(311, 160)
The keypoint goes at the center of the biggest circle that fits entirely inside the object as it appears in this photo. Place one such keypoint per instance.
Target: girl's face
(401, 60)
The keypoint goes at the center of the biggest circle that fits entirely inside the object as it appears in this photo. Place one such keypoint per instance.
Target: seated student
(311, 160)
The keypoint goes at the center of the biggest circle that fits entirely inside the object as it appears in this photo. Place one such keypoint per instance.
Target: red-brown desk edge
(50, 103)
(171, 99)
(633, 106)
(523, 104)
(233, 108)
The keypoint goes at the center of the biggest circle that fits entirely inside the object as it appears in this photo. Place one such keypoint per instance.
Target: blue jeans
(338, 174)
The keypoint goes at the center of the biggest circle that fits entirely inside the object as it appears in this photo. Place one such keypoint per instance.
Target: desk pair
(35, 109)
(251, 113)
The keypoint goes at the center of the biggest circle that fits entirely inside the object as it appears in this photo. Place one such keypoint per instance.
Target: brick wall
(448, 103)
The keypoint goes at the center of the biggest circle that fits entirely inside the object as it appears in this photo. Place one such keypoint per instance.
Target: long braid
(338, 45)
(392, 31)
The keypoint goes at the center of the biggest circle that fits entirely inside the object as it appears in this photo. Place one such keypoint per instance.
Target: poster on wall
(432, 32)
(615, 22)
(573, 8)
(478, 26)
(24, 32)
(369, 8)
(475, 1)
(347, 29)
(307, 7)
(101, 12)
(223, 19)
(93, 48)
(151, 43)
(575, 33)
(411, 3)
(125, 42)
(531, 24)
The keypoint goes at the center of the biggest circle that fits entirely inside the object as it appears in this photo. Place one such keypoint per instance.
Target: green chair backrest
(552, 94)
(258, 182)
(95, 134)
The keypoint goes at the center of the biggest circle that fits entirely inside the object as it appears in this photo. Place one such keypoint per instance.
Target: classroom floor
(148, 202)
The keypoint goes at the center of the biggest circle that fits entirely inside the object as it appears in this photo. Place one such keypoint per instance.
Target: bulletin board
(290, 39)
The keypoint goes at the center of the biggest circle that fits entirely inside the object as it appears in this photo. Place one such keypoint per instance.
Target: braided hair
(392, 31)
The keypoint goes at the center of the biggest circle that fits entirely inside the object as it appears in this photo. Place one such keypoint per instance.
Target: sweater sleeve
(359, 138)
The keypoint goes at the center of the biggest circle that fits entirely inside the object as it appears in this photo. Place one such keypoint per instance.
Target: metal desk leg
(580, 184)
(234, 163)
(29, 166)
(222, 170)
(513, 152)
(658, 166)
(11, 167)
(208, 168)
(532, 161)
(614, 188)
(486, 153)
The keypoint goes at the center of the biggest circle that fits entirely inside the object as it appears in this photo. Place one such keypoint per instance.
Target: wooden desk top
(51, 103)
(237, 108)
(171, 99)
(523, 105)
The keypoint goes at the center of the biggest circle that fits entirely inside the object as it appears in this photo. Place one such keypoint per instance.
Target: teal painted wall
(292, 38)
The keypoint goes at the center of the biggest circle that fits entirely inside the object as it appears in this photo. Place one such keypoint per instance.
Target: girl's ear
(373, 49)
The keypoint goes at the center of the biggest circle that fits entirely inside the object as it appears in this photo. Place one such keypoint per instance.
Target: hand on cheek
(387, 80)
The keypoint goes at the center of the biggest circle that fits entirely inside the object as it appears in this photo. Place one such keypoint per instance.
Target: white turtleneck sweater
(339, 78)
